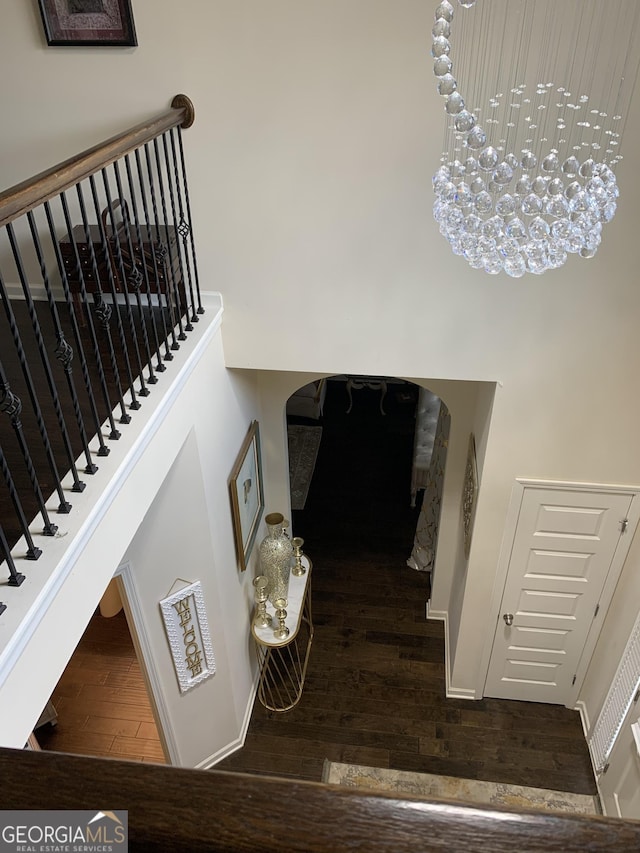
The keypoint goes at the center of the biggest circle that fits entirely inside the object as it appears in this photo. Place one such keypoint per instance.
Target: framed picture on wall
(469, 494)
(247, 497)
(88, 23)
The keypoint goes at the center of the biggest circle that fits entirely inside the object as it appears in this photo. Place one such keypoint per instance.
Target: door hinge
(636, 697)
(573, 681)
(596, 611)
(624, 523)
(605, 768)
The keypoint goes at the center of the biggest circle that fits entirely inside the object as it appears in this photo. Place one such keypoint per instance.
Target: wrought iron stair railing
(98, 286)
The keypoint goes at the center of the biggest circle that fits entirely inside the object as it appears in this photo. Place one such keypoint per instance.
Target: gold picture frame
(247, 495)
(469, 495)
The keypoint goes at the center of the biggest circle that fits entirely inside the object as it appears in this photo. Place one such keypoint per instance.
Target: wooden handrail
(173, 809)
(28, 194)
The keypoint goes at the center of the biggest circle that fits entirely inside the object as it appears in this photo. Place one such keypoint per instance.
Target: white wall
(317, 130)
(173, 547)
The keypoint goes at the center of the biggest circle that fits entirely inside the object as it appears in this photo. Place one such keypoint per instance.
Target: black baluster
(103, 450)
(189, 219)
(154, 260)
(15, 578)
(140, 273)
(131, 279)
(114, 292)
(145, 269)
(184, 227)
(11, 405)
(167, 228)
(156, 219)
(181, 229)
(63, 352)
(115, 434)
(64, 506)
(78, 485)
(103, 310)
(32, 551)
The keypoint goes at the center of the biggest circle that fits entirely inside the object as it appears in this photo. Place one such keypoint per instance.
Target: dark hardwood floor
(375, 690)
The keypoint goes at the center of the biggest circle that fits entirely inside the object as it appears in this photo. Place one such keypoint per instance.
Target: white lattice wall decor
(621, 694)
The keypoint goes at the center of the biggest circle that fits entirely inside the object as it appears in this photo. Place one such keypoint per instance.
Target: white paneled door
(564, 545)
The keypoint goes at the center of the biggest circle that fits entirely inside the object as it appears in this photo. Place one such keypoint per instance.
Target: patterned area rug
(304, 443)
(449, 788)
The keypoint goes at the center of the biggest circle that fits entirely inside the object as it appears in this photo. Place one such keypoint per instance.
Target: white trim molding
(451, 691)
(581, 708)
(238, 743)
(142, 645)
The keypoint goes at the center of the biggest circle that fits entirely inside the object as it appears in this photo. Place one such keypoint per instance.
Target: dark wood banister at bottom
(28, 194)
(172, 809)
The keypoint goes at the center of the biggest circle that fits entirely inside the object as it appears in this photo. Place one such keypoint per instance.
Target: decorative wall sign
(88, 22)
(247, 498)
(185, 621)
(469, 495)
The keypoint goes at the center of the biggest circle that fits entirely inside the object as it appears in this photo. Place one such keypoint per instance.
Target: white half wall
(166, 510)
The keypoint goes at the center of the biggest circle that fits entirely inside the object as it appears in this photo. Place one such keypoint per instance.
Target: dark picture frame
(86, 23)
(247, 495)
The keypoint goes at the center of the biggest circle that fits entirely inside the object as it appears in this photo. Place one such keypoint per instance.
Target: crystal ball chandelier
(527, 171)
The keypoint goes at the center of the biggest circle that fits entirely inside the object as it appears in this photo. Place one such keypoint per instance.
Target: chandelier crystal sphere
(527, 171)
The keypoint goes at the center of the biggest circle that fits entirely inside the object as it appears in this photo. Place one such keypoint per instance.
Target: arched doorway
(365, 446)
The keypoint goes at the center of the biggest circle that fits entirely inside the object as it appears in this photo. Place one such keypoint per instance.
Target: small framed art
(469, 494)
(247, 497)
(97, 23)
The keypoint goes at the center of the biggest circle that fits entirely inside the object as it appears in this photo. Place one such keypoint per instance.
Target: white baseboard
(39, 294)
(451, 691)
(37, 291)
(221, 754)
(238, 743)
(581, 708)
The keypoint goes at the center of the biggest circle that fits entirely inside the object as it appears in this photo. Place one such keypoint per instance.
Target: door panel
(562, 550)
(558, 564)
(570, 521)
(532, 640)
